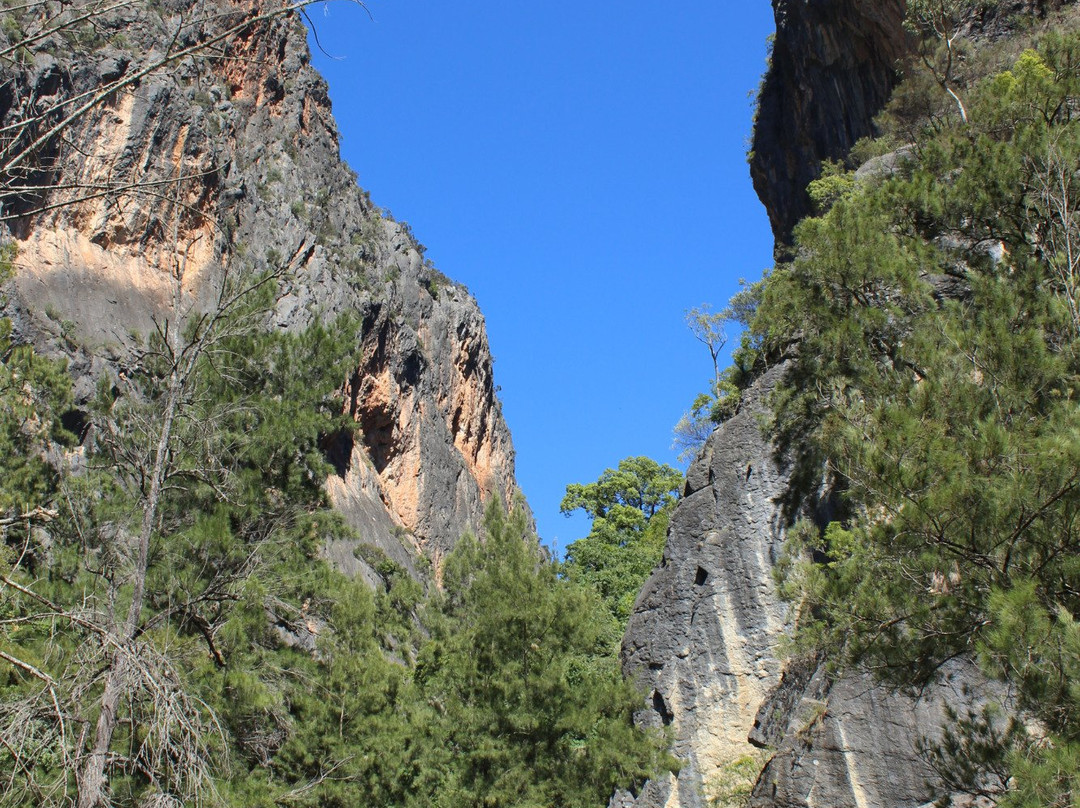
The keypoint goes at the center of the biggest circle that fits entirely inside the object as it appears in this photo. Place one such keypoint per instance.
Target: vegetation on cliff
(170, 632)
(171, 635)
(930, 314)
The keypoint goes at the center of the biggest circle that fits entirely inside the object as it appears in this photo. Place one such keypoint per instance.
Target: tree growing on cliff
(203, 468)
(720, 403)
(936, 379)
(939, 26)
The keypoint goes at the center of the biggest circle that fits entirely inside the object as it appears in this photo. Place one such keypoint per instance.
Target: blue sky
(580, 166)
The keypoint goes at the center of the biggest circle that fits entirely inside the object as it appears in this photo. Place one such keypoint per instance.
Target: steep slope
(215, 107)
(707, 635)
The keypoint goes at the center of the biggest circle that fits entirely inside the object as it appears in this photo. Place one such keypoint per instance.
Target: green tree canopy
(531, 709)
(630, 507)
(639, 483)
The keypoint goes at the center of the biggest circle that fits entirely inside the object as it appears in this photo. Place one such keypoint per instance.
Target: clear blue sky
(580, 166)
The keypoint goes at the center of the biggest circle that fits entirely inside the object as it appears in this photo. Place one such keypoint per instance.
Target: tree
(936, 379)
(35, 392)
(694, 428)
(708, 329)
(712, 408)
(531, 707)
(938, 24)
(639, 483)
(630, 507)
(206, 456)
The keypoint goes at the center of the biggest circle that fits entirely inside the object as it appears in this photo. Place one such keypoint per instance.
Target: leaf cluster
(630, 507)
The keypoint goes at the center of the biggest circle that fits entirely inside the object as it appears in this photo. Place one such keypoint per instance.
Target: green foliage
(630, 507)
(834, 182)
(237, 413)
(639, 484)
(530, 708)
(258, 676)
(933, 333)
(34, 393)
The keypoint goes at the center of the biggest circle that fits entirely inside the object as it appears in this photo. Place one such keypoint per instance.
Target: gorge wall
(212, 151)
(707, 636)
(832, 68)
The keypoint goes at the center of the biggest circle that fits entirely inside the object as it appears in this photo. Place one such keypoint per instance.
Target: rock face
(226, 161)
(832, 69)
(702, 638)
(833, 66)
(707, 634)
(706, 642)
(853, 743)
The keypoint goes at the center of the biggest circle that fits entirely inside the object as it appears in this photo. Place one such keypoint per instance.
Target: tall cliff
(832, 68)
(213, 108)
(707, 639)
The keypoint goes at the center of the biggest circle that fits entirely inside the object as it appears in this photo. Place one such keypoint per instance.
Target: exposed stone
(702, 639)
(832, 69)
(854, 743)
(265, 187)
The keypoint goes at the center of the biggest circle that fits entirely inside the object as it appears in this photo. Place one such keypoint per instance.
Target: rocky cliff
(204, 145)
(703, 637)
(832, 68)
(707, 636)
(706, 641)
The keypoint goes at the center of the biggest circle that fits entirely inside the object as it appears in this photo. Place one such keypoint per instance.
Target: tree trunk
(92, 779)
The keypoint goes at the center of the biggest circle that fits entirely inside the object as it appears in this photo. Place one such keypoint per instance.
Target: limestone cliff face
(832, 69)
(706, 639)
(854, 743)
(233, 155)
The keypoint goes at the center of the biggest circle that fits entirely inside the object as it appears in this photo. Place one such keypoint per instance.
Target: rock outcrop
(702, 639)
(226, 161)
(854, 743)
(706, 639)
(706, 642)
(833, 66)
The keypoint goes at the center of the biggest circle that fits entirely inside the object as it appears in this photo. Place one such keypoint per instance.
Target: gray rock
(703, 637)
(265, 187)
(832, 69)
(706, 642)
(854, 743)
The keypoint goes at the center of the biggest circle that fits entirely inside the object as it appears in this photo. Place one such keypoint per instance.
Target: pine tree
(936, 376)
